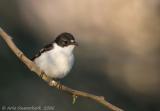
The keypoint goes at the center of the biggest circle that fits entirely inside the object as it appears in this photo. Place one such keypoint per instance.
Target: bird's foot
(59, 85)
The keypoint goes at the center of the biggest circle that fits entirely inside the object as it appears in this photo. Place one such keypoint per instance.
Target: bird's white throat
(66, 49)
(57, 62)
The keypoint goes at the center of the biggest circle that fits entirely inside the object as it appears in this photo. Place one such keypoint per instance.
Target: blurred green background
(118, 56)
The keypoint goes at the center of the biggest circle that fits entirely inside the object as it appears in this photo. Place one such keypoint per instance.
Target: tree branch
(52, 83)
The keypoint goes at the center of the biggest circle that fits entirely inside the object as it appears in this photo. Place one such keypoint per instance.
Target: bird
(56, 58)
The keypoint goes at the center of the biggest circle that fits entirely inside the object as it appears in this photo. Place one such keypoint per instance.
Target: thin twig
(52, 83)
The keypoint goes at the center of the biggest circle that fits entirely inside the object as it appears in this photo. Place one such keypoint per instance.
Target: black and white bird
(56, 59)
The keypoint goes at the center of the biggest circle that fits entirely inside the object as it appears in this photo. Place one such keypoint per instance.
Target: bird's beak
(75, 43)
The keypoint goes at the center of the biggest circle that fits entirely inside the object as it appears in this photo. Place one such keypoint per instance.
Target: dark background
(118, 56)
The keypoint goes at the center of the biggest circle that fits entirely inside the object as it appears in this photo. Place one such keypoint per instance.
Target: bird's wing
(44, 49)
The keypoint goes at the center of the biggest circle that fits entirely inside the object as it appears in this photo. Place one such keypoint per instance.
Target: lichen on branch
(32, 67)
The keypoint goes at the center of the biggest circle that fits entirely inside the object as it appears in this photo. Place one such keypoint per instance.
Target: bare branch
(52, 83)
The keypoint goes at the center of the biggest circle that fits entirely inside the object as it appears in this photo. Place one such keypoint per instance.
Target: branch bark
(52, 83)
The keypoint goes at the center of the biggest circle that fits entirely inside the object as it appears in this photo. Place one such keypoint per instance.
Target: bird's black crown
(65, 39)
(62, 40)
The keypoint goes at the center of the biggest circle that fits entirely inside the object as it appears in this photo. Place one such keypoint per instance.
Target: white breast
(56, 63)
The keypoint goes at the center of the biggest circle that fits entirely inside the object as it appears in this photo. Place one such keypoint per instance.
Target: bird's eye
(65, 42)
